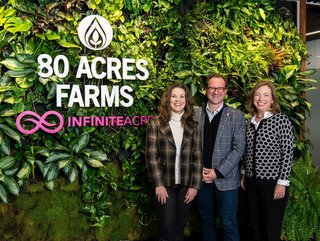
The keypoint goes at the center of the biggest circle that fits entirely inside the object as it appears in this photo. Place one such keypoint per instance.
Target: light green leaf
(183, 74)
(94, 163)
(11, 185)
(68, 45)
(24, 171)
(24, 82)
(13, 64)
(262, 14)
(15, 24)
(6, 113)
(7, 162)
(96, 154)
(4, 194)
(49, 185)
(289, 70)
(63, 163)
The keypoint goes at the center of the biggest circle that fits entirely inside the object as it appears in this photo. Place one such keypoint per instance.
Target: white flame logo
(95, 32)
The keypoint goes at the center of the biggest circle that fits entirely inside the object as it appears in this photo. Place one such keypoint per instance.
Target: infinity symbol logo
(39, 122)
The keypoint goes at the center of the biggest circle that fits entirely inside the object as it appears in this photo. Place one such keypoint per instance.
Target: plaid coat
(161, 154)
(229, 146)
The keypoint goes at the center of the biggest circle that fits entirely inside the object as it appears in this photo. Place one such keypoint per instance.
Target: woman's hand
(242, 182)
(190, 195)
(161, 194)
(279, 191)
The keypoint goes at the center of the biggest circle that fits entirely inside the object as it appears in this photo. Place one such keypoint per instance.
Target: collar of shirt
(266, 115)
(210, 113)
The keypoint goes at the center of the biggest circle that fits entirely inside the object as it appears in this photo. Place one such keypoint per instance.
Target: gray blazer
(229, 145)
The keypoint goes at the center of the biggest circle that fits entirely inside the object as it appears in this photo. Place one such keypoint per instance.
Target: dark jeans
(266, 213)
(173, 214)
(225, 203)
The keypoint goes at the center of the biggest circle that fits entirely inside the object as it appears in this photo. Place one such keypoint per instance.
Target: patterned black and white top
(269, 151)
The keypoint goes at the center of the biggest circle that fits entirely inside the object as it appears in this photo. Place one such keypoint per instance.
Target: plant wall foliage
(182, 41)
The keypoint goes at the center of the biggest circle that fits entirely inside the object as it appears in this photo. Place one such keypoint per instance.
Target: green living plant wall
(182, 41)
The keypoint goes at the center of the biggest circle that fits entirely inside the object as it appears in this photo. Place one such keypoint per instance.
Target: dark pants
(266, 213)
(209, 200)
(173, 214)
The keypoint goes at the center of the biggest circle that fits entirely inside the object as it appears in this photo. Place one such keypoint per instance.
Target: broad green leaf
(135, 188)
(42, 167)
(309, 81)
(49, 185)
(289, 70)
(11, 185)
(96, 154)
(4, 194)
(302, 117)
(11, 171)
(82, 142)
(24, 82)
(80, 162)
(52, 172)
(183, 74)
(63, 163)
(52, 35)
(25, 58)
(308, 72)
(5, 146)
(15, 24)
(94, 163)
(57, 156)
(44, 152)
(66, 44)
(72, 172)
(13, 64)
(24, 171)
(7, 162)
(9, 100)
(6, 113)
(10, 132)
(22, 73)
(114, 185)
(262, 14)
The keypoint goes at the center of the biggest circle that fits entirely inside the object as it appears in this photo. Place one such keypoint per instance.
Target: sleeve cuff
(219, 174)
(283, 182)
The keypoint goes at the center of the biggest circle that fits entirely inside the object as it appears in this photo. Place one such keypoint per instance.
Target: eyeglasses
(218, 89)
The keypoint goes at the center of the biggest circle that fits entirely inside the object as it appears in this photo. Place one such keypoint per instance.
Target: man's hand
(208, 175)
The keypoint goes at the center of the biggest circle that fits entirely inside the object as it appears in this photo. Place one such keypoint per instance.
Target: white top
(266, 115)
(177, 132)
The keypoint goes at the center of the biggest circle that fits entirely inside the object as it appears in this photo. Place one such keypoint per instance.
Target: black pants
(172, 215)
(266, 213)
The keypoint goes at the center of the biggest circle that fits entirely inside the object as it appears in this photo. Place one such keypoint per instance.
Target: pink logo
(39, 122)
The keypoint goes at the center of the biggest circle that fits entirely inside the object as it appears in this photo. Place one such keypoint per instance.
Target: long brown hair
(275, 106)
(165, 110)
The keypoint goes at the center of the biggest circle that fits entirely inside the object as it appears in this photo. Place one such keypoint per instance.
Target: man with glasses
(223, 144)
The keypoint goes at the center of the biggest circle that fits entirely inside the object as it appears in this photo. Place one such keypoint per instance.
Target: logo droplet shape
(95, 32)
(39, 122)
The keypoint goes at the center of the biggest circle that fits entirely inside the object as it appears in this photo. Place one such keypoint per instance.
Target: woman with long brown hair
(173, 158)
